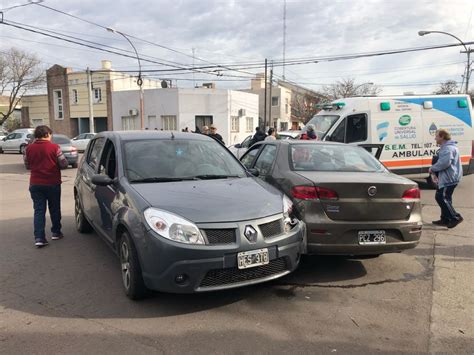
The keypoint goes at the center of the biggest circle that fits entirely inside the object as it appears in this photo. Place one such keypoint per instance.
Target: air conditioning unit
(242, 112)
(133, 112)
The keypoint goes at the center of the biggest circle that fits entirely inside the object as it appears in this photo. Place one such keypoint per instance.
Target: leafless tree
(305, 106)
(348, 88)
(447, 87)
(19, 72)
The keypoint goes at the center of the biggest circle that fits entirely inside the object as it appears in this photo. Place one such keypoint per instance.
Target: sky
(242, 31)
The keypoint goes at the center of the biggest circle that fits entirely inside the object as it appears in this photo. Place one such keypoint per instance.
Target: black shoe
(57, 236)
(440, 222)
(41, 243)
(454, 222)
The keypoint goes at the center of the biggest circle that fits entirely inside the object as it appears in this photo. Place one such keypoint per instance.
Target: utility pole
(468, 67)
(265, 98)
(270, 98)
(91, 108)
(284, 36)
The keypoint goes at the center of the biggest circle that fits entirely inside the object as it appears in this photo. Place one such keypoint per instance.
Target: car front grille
(271, 229)
(220, 236)
(229, 276)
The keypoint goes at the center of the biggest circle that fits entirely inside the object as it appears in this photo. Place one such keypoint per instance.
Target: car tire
(74, 165)
(22, 148)
(82, 225)
(132, 279)
(370, 256)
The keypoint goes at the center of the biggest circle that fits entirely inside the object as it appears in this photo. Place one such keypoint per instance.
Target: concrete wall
(38, 109)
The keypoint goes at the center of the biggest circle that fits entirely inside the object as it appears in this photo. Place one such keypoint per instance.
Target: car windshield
(322, 157)
(322, 124)
(60, 139)
(162, 160)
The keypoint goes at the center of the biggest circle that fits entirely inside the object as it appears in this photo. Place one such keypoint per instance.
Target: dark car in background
(69, 151)
(183, 214)
(351, 204)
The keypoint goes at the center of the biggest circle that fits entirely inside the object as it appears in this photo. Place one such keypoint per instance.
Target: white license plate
(247, 259)
(372, 237)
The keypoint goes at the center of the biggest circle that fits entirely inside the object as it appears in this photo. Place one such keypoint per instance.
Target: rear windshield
(321, 157)
(61, 139)
(179, 159)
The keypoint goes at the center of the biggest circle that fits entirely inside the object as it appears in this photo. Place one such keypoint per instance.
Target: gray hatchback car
(183, 214)
(351, 204)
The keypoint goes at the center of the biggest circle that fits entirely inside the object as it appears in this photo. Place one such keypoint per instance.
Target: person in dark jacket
(213, 134)
(449, 170)
(258, 136)
(45, 160)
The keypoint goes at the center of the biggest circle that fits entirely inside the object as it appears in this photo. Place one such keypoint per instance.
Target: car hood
(214, 201)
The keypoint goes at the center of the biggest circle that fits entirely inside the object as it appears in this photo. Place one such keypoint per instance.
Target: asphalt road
(68, 298)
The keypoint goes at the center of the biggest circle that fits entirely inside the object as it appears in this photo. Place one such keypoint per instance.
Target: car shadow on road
(79, 276)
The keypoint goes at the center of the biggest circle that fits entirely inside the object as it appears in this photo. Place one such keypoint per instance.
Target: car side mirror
(238, 146)
(254, 172)
(102, 180)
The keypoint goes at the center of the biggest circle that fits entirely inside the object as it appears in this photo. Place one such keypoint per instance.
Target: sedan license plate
(248, 259)
(372, 237)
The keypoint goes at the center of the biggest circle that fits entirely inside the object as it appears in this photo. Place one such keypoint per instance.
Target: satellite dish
(164, 84)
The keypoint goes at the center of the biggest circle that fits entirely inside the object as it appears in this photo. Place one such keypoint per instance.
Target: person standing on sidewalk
(449, 170)
(45, 160)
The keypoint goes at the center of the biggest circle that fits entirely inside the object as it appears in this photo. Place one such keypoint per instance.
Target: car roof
(299, 141)
(153, 134)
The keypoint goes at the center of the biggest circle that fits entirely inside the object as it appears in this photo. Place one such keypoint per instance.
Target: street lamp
(139, 79)
(466, 50)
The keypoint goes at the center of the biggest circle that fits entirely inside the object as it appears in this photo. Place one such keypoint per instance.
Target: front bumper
(214, 267)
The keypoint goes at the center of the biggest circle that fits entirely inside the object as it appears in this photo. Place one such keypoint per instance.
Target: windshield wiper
(213, 176)
(162, 179)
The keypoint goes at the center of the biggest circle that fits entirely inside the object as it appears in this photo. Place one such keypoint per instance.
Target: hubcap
(125, 261)
(78, 212)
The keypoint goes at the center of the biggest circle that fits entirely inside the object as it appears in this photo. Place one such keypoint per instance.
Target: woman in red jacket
(45, 160)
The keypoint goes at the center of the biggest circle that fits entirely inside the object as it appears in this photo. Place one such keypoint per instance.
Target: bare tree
(348, 88)
(19, 72)
(305, 106)
(447, 87)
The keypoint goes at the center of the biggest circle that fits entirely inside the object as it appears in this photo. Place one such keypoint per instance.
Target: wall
(38, 108)
(56, 78)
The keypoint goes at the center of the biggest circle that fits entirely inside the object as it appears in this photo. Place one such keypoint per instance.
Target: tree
(348, 88)
(19, 72)
(304, 106)
(447, 87)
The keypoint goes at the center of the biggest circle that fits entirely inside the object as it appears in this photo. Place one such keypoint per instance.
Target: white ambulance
(401, 128)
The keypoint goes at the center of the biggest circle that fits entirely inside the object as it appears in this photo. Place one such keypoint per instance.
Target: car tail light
(313, 192)
(412, 194)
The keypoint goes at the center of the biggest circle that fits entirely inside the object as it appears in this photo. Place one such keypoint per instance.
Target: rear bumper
(71, 158)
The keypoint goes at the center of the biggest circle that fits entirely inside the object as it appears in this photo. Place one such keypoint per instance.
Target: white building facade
(234, 113)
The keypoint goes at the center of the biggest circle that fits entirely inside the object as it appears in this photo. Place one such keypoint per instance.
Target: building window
(169, 123)
(75, 97)
(249, 124)
(234, 124)
(283, 126)
(274, 100)
(130, 123)
(58, 104)
(287, 106)
(97, 95)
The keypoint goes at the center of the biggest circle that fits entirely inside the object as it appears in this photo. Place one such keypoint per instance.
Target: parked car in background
(351, 204)
(16, 141)
(289, 134)
(239, 149)
(64, 142)
(81, 141)
(161, 200)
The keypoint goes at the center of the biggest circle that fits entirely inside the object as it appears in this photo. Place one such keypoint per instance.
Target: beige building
(34, 111)
(68, 98)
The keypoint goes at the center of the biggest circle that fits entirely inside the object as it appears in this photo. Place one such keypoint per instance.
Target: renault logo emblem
(372, 191)
(250, 233)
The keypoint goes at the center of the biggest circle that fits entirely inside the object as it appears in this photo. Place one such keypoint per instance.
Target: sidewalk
(452, 312)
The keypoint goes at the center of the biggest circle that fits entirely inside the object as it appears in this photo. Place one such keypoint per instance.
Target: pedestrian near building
(205, 130)
(257, 137)
(449, 170)
(45, 159)
(271, 135)
(214, 134)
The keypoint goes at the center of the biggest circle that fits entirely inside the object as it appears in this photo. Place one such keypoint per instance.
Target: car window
(89, 136)
(323, 157)
(356, 128)
(265, 159)
(81, 136)
(246, 142)
(57, 139)
(94, 152)
(247, 159)
(108, 165)
(11, 136)
(339, 132)
(178, 159)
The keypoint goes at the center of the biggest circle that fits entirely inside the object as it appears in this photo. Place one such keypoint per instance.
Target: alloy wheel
(125, 262)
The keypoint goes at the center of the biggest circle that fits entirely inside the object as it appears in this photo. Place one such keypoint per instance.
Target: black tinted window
(356, 128)
(107, 161)
(265, 159)
(94, 152)
(248, 158)
(339, 132)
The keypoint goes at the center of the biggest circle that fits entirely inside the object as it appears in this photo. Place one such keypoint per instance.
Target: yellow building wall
(37, 107)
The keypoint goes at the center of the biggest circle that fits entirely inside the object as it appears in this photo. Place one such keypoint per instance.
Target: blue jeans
(444, 197)
(42, 194)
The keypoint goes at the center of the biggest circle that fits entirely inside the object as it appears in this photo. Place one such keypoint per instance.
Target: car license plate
(372, 237)
(248, 259)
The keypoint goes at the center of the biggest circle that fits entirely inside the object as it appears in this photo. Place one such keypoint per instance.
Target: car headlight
(288, 221)
(173, 227)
